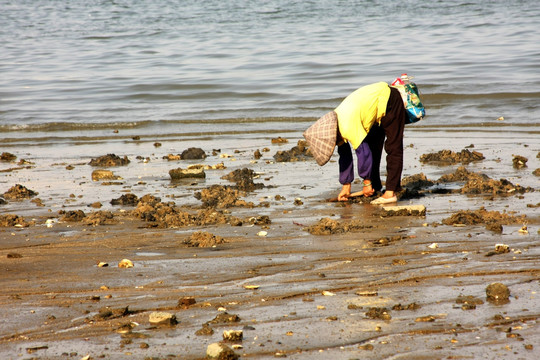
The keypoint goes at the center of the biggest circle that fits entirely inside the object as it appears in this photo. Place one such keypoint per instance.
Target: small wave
(69, 126)
(444, 97)
(73, 126)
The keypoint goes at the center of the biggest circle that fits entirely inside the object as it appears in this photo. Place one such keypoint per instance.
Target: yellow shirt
(360, 110)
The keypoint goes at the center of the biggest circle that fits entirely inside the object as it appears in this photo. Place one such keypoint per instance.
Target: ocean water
(85, 71)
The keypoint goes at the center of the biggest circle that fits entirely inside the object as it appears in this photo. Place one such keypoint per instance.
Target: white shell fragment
(251, 287)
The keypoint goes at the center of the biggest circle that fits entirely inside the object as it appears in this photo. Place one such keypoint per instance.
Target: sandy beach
(267, 255)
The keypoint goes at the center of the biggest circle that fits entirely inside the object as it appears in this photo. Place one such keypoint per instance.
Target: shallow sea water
(74, 71)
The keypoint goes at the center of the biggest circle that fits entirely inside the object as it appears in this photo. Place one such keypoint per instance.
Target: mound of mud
(167, 215)
(416, 182)
(492, 219)
(225, 318)
(378, 313)
(300, 152)
(193, 154)
(72, 215)
(279, 140)
(482, 184)
(462, 174)
(221, 197)
(126, 200)
(100, 218)
(448, 157)
(109, 160)
(98, 175)
(149, 200)
(327, 226)
(519, 162)
(19, 192)
(7, 157)
(494, 187)
(204, 239)
(243, 179)
(9, 220)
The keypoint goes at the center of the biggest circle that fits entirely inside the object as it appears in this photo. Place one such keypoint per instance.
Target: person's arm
(346, 170)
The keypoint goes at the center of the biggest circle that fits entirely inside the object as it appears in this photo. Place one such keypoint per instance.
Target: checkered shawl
(321, 137)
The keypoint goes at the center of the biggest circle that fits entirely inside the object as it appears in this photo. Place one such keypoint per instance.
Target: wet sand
(393, 287)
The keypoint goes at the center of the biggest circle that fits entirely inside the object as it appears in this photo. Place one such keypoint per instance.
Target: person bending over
(372, 117)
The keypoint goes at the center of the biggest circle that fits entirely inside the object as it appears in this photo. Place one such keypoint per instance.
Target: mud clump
(151, 209)
(497, 293)
(327, 226)
(378, 313)
(72, 215)
(243, 179)
(448, 157)
(300, 152)
(167, 215)
(462, 174)
(172, 157)
(411, 306)
(193, 154)
(109, 160)
(179, 173)
(221, 197)
(186, 301)
(19, 192)
(259, 220)
(7, 157)
(108, 313)
(468, 302)
(149, 200)
(100, 218)
(10, 220)
(104, 175)
(126, 200)
(205, 330)
(225, 318)
(279, 140)
(492, 219)
(482, 184)
(494, 187)
(204, 239)
(416, 182)
(519, 162)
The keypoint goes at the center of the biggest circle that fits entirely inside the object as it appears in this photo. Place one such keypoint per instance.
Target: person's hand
(345, 192)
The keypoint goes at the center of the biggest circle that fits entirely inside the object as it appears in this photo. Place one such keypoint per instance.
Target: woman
(364, 119)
